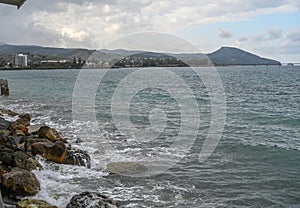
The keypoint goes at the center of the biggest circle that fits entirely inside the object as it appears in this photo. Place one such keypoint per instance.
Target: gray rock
(126, 168)
(77, 157)
(8, 141)
(25, 161)
(92, 200)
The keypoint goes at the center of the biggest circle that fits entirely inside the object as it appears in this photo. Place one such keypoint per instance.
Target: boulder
(55, 152)
(25, 161)
(50, 133)
(8, 141)
(34, 203)
(21, 123)
(92, 200)
(17, 158)
(77, 157)
(20, 182)
(30, 141)
(6, 155)
(125, 168)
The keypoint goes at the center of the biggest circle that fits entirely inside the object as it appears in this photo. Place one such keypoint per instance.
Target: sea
(163, 120)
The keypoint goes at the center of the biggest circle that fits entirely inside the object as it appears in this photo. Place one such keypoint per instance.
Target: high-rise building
(20, 60)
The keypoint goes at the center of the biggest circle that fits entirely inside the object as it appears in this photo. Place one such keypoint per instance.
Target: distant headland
(38, 57)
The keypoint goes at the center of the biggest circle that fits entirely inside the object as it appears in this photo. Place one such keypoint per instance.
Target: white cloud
(294, 35)
(80, 23)
(94, 23)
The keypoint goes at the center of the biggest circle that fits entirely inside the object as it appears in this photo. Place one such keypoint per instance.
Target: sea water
(255, 164)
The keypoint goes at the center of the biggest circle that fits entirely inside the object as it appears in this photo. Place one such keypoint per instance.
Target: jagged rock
(77, 157)
(4, 124)
(25, 161)
(125, 168)
(19, 132)
(3, 170)
(50, 133)
(20, 182)
(8, 141)
(55, 152)
(6, 155)
(92, 200)
(21, 123)
(34, 203)
(30, 141)
(18, 159)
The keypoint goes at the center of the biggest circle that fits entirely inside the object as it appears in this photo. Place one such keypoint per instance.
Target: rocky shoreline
(20, 145)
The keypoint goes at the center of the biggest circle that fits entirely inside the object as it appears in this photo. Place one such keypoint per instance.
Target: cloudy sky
(270, 28)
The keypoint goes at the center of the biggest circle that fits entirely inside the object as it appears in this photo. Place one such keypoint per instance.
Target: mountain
(222, 57)
(236, 56)
(48, 52)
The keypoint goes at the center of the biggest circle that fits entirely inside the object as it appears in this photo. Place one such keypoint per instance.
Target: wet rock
(21, 123)
(20, 182)
(50, 133)
(4, 124)
(55, 152)
(92, 200)
(8, 112)
(30, 141)
(125, 168)
(3, 170)
(34, 203)
(25, 161)
(6, 155)
(19, 132)
(77, 157)
(8, 141)
(17, 158)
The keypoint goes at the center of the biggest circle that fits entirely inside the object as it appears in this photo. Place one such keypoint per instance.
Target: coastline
(20, 144)
(245, 65)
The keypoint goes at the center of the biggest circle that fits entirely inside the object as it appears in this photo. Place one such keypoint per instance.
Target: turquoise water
(256, 163)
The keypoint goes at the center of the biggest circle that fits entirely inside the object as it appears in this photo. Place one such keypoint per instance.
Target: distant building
(20, 60)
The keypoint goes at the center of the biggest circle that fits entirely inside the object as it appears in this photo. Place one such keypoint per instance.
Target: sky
(269, 28)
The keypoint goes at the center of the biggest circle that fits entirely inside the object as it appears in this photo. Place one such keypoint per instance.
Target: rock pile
(19, 144)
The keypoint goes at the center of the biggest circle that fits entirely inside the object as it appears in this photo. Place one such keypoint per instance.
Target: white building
(20, 60)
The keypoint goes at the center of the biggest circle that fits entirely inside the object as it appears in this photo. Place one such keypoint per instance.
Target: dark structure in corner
(4, 87)
(17, 3)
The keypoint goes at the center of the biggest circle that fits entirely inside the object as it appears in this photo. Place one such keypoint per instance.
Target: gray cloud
(274, 33)
(224, 33)
(243, 39)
